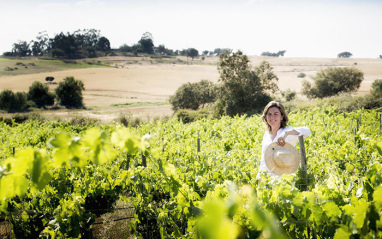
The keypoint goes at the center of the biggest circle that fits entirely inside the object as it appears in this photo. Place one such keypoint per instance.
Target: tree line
(78, 44)
(90, 43)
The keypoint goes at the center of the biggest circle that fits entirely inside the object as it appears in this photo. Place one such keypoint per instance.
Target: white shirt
(267, 140)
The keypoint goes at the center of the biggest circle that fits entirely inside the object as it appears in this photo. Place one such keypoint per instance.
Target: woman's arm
(305, 131)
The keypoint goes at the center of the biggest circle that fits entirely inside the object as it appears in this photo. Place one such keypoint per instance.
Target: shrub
(40, 95)
(289, 94)
(49, 78)
(13, 102)
(193, 95)
(376, 87)
(331, 81)
(301, 75)
(69, 93)
(188, 116)
(129, 120)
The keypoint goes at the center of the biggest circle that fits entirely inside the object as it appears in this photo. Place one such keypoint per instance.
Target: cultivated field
(141, 86)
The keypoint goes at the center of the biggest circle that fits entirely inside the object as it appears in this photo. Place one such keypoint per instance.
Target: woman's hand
(281, 139)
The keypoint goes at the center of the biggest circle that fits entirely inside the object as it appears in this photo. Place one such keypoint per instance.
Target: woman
(276, 120)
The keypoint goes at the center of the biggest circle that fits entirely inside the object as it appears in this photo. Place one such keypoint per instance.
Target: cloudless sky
(304, 28)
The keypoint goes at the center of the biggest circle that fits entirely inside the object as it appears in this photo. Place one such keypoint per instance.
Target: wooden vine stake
(144, 163)
(197, 147)
(304, 166)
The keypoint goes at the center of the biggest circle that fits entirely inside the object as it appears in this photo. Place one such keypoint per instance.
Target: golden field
(141, 87)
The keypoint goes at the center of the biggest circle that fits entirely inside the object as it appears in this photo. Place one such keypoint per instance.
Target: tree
(376, 87)
(331, 81)
(87, 38)
(64, 45)
(22, 48)
(161, 49)
(344, 54)
(43, 40)
(281, 53)
(147, 43)
(36, 49)
(218, 51)
(243, 89)
(267, 53)
(192, 52)
(103, 44)
(80, 43)
(185, 97)
(289, 94)
(13, 102)
(41, 44)
(40, 95)
(193, 95)
(69, 93)
(126, 48)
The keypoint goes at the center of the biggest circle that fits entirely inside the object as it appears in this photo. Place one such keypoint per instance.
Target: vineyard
(195, 180)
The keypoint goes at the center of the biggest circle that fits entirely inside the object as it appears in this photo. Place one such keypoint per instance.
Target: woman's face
(274, 117)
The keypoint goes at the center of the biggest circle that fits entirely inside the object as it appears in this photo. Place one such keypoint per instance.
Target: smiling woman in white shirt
(276, 120)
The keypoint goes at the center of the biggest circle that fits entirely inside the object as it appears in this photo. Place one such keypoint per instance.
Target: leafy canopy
(243, 89)
(40, 95)
(193, 95)
(69, 93)
(331, 81)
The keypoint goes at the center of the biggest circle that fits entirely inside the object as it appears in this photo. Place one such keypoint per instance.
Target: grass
(12, 67)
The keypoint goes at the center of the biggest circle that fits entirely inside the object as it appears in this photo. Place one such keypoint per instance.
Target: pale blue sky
(304, 28)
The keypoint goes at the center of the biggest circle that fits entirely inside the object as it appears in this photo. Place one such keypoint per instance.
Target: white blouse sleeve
(305, 131)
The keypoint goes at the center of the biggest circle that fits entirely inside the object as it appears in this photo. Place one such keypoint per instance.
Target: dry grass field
(140, 87)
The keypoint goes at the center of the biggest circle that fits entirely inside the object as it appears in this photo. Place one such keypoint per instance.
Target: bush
(13, 102)
(376, 87)
(188, 116)
(193, 95)
(289, 94)
(69, 93)
(301, 75)
(129, 120)
(40, 95)
(331, 81)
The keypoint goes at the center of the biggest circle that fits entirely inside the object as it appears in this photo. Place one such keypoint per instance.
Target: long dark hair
(271, 104)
